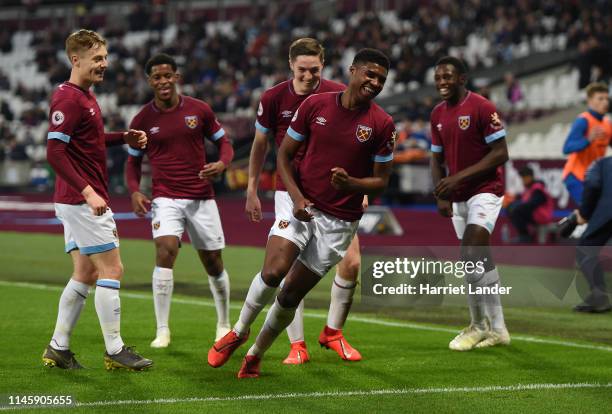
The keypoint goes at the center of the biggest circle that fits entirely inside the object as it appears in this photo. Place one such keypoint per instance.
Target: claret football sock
(342, 292)
(163, 285)
(259, 295)
(108, 308)
(70, 305)
(220, 289)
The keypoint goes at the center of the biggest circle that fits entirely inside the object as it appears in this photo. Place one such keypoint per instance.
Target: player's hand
(211, 170)
(365, 203)
(579, 218)
(445, 208)
(446, 186)
(339, 178)
(135, 138)
(96, 203)
(253, 207)
(140, 204)
(300, 210)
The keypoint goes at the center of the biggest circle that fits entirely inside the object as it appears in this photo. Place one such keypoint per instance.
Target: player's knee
(272, 275)
(289, 298)
(349, 268)
(213, 263)
(114, 271)
(166, 256)
(470, 253)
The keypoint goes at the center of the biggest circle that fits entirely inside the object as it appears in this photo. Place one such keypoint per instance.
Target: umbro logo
(92, 112)
(286, 114)
(154, 130)
(321, 121)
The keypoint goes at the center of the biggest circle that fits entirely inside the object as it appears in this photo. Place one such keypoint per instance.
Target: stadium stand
(231, 51)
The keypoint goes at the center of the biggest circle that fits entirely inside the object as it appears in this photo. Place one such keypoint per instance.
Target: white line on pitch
(355, 393)
(371, 321)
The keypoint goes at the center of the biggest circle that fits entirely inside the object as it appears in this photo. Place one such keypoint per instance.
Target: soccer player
(349, 152)
(588, 139)
(183, 197)
(277, 106)
(468, 140)
(76, 149)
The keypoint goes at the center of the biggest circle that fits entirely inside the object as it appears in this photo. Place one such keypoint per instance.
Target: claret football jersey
(276, 108)
(338, 137)
(463, 133)
(175, 147)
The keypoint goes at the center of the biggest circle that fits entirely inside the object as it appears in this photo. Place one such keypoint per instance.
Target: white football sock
(342, 292)
(71, 303)
(492, 303)
(475, 302)
(259, 295)
(220, 288)
(108, 308)
(277, 319)
(163, 285)
(295, 330)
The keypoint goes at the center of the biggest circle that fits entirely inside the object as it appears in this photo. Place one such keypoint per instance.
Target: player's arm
(576, 139)
(259, 149)
(371, 186)
(133, 173)
(289, 147)
(58, 159)
(438, 172)
(132, 137)
(494, 158)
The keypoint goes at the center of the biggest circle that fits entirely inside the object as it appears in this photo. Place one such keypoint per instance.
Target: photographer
(596, 210)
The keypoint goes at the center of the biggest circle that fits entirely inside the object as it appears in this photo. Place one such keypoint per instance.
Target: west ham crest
(363, 133)
(464, 122)
(156, 225)
(283, 224)
(191, 121)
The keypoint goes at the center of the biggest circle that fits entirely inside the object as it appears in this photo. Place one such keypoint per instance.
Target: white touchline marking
(372, 321)
(355, 393)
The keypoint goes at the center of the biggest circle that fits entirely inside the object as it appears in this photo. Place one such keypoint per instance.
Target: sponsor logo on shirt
(464, 122)
(321, 121)
(260, 110)
(154, 130)
(191, 121)
(286, 114)
(363, 133)
(57, 118)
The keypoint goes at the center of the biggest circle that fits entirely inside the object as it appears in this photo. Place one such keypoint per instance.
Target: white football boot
(162, 340)
(469, 337)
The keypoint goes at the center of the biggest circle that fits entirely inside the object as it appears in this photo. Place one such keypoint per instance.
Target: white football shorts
(171, 217)
(481, 209)
(86, 232)
(323, 241)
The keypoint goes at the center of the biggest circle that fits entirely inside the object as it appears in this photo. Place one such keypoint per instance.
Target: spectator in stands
(588, 139)
(596, 211)
(514, 94)
(413, 142)
(534, 207)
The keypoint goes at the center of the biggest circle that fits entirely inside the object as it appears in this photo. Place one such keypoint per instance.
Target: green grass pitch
(558, 361)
